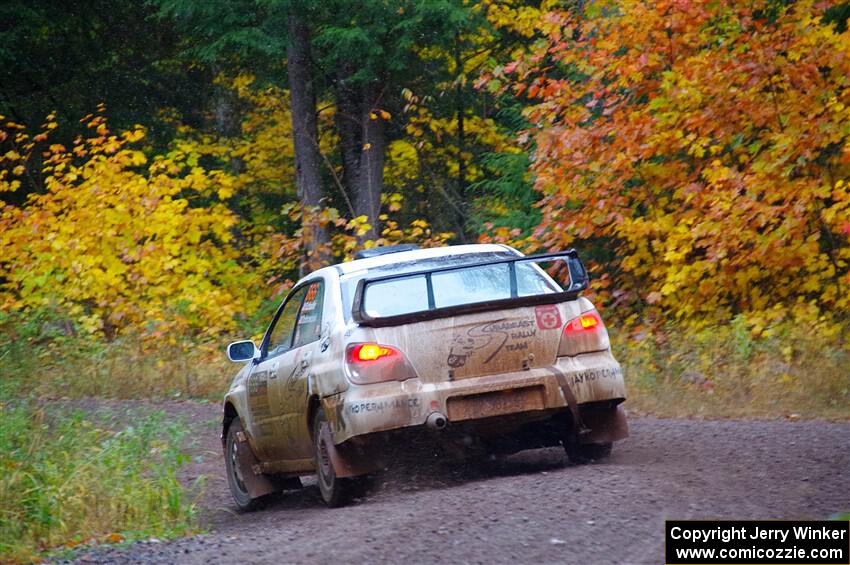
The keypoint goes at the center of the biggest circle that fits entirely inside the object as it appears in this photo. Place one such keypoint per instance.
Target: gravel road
(533, 507)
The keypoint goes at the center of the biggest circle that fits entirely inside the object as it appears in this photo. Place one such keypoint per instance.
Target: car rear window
(451, 288)
(399, 296)
(480, 284)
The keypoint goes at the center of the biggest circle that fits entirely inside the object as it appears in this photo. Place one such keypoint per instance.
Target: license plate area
(495, 403)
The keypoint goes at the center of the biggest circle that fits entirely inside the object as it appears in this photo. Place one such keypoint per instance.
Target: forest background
(168, 168)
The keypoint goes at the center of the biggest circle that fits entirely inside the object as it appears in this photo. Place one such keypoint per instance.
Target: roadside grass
(792, 371)
(66, 480)
(126, 368)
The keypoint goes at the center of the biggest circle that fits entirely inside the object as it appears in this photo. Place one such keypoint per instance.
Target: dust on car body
(477, 343)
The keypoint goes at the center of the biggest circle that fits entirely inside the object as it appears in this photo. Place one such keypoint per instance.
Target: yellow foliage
(121, 241)
(118, 245)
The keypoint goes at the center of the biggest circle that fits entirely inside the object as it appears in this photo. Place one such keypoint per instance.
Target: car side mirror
(241, 351)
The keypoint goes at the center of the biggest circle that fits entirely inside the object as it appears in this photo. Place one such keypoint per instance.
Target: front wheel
(235, 479)
(335, 490)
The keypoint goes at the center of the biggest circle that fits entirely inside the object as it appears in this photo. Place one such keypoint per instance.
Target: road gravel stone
(533, 507)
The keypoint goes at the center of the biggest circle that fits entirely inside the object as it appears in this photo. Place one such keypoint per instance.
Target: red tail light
(369, 363)
(584, 334)
(589, 321)
(362, 352)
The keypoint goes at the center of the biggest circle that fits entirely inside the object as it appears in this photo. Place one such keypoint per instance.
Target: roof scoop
(385, 250)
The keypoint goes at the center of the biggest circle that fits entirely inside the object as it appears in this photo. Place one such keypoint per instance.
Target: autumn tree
(118, 241)
(114, 239)
(370, 54)
(305, 132)
(701, 149)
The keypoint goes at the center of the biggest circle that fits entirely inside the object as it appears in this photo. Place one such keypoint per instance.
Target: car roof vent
(385, 250)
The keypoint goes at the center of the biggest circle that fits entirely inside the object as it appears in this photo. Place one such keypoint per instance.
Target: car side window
(280, 339)
(308, 328)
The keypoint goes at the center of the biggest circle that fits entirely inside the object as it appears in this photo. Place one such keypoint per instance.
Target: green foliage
(385, 39)
(506, 179)
(227, 33)
(67, 479)
(71, 56)
(838, 15)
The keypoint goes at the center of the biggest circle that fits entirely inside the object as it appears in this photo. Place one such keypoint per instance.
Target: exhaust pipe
(437, 421)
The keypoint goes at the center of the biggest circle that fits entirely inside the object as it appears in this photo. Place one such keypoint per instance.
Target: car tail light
(369, 363)
(362, 352)
(584, 334)
(585, 322)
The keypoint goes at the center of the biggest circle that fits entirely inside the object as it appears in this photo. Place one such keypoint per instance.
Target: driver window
(309, 326)
(280, 340)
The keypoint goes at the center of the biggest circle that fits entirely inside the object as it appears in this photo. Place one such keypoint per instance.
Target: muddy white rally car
(477, 344)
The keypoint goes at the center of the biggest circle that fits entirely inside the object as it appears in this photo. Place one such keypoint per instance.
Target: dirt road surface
(533, 507)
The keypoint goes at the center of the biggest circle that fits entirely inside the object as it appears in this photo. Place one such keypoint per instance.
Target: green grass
(64, 479)
(60, 366)
(720, 371)
(790, 371)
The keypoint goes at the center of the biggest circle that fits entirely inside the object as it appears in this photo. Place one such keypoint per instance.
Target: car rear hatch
(477, 319)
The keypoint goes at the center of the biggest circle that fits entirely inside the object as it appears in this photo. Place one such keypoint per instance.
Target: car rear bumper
(530, 394)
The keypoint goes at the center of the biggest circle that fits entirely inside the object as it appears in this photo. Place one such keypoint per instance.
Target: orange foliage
(700, 150)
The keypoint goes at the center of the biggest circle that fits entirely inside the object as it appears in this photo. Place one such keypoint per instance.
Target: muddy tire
(580, 453)
(234, 476)
(335, 491)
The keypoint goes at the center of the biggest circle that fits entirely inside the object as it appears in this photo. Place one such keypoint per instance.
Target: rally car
(478, 344)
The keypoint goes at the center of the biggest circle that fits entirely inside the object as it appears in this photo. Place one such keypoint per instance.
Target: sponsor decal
(312, 292)
(381, 406)
(490, 339)
(258, 395)
(594, 374)
(548, 317)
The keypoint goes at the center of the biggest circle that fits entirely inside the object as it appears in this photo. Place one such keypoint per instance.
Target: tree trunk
(461, 142)
(308, 175)
(362, 141)
(228, 118)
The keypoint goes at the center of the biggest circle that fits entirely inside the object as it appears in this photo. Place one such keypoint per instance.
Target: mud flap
(348, 460)
(256, 483)
(593, 426)
(605, 426)
(571, 401)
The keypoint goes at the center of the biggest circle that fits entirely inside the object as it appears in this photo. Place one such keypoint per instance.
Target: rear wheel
(586, 452)
(235, 479)
(335, 490)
